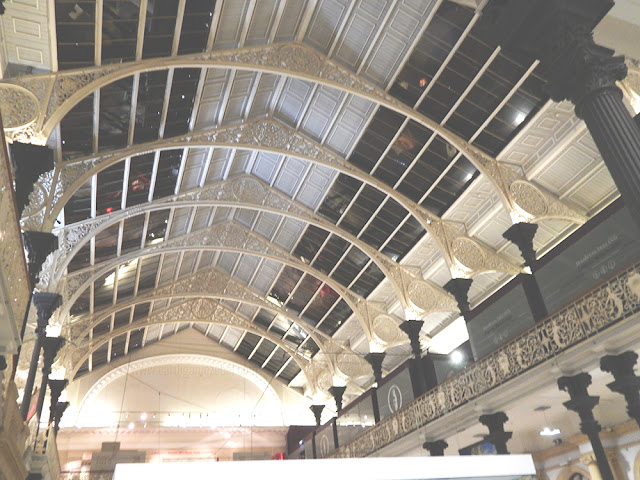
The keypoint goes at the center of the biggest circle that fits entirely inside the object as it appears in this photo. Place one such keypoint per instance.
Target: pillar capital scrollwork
(584, 69)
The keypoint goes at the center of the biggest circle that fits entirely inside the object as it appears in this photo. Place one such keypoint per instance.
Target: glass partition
(504, 319)
(608, 248)
(354, 419)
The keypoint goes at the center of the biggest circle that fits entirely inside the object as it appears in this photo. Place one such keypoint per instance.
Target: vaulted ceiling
(292, 178)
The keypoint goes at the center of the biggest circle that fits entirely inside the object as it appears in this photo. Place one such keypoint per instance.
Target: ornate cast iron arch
(209, 283)
(229, 236)
(211, 312)
(74, 357)
(61, 91)
(464, 255)
(415, 293)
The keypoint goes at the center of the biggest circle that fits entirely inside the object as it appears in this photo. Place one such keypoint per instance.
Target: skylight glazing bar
(142, 20)
(446, 61)
(416, 39)
(178, 29)
(98, 31)
(472, 84)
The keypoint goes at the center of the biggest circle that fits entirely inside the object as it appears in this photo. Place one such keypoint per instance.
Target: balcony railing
(606, 305)
(14, 278)
(13, 433)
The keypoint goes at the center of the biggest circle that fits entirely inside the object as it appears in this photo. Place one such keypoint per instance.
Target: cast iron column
(38, 245)
(521, 234)
(45, 304)
(412, 329)
(317, 412)
(337, 393)
(582, 403)
(51, 346)
(375, 360)
(586, 74)
(626, 382)
(436, 449)
(497, 436)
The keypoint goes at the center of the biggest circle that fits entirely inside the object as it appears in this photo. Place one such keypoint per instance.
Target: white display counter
(505, 467)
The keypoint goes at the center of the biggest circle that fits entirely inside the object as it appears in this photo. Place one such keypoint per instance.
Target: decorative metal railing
(611, 302)
(106, 475)
(14, 278)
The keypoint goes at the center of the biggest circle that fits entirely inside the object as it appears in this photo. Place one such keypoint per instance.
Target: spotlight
(456, 357)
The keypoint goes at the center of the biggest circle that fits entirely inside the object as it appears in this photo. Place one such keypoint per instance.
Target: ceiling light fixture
(546, 431)
(457, 357)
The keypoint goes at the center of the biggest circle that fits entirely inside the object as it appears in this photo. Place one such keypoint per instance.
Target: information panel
(506, 318)
(608, 248)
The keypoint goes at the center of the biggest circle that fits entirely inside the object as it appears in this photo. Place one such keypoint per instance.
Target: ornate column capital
(45, 303)
(56, 387)
(580, 401)
(39, 245)
(375, 359)
(337, 393)
(497, 435)
(317, 412)
(412, 328)
(459, 288)
(51, 346)
(626, 382)
(435, 448)
(582, 68)
(522, 234)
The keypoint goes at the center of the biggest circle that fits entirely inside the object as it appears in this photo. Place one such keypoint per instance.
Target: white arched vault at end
(84, 414)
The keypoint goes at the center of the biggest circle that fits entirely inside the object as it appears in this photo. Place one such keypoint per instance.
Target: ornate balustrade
(611, 302)
(13, 435)
(14, 278)
(107, 475)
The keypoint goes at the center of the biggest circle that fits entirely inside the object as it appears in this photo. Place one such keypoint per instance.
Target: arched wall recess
(177, 359)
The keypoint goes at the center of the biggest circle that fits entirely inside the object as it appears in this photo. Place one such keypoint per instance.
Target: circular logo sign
(394, 398)
(324, 446)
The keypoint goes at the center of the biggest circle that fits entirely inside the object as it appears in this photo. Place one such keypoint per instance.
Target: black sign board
(505, 319)
(608, 248)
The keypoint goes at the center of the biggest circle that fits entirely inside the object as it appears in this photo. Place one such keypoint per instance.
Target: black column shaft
(618, 139)
(582, 403)
(31, 376)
